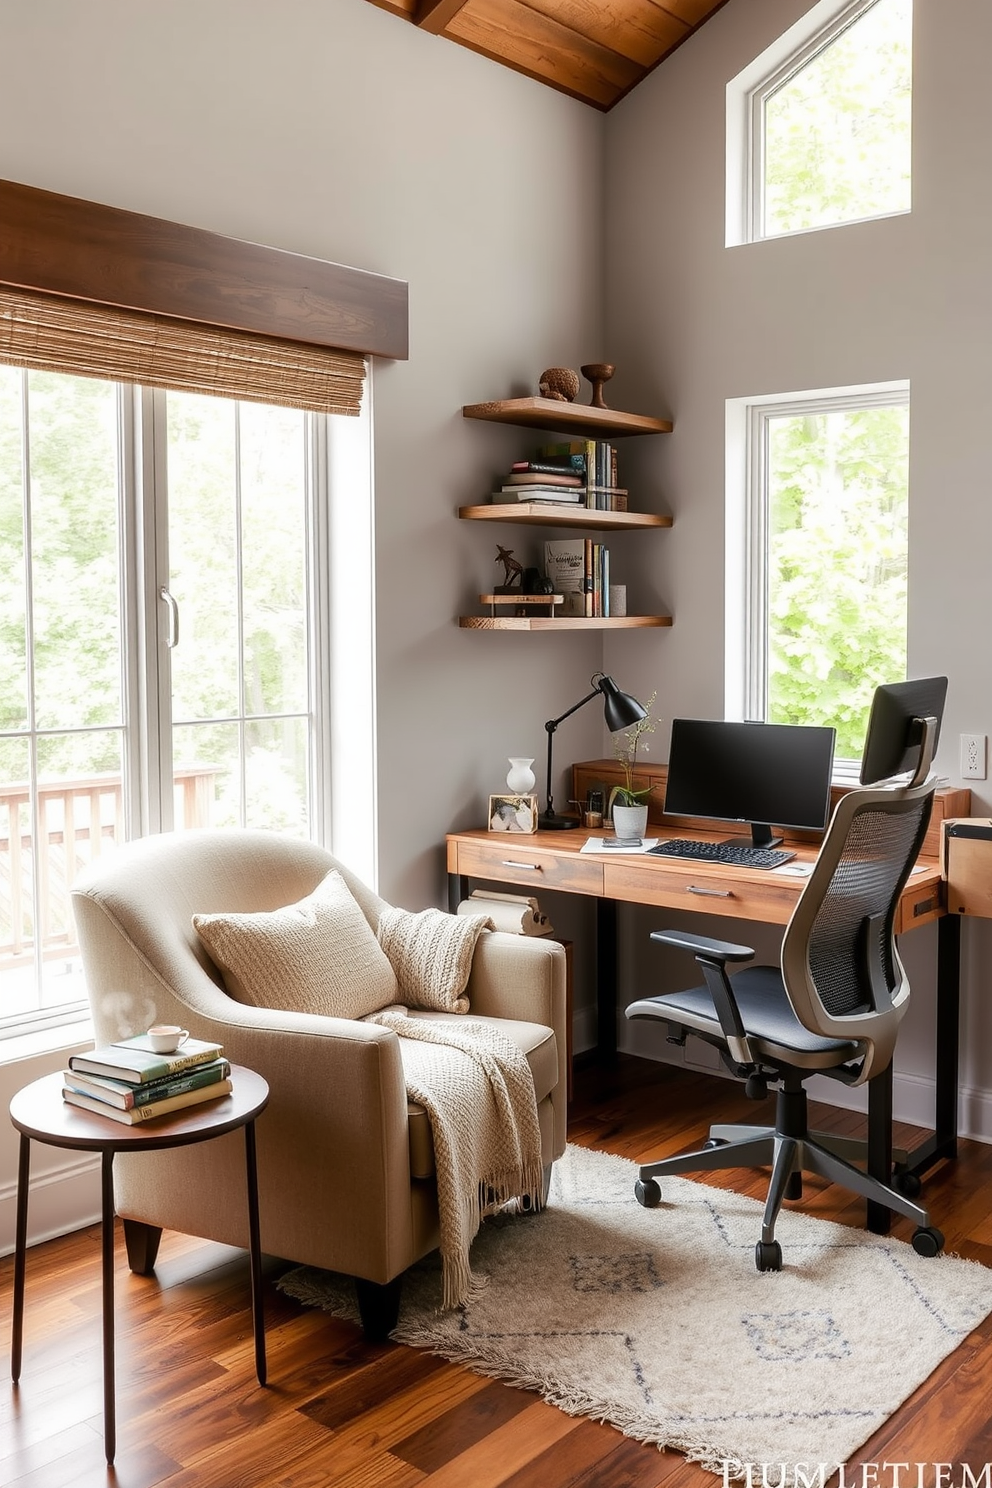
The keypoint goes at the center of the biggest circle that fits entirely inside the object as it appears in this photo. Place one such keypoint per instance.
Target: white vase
(630, 822)
(520, 778)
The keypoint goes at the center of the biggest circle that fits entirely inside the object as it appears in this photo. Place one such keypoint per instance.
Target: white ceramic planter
(630, 822)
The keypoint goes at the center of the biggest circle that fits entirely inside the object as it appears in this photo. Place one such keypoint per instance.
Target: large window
(164, 563)
(820, 127)
(824, 533)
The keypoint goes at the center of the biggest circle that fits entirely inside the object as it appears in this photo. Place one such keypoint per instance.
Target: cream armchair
(345, 1163)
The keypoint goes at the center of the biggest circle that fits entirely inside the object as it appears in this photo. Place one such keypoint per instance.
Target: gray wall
(694, 323)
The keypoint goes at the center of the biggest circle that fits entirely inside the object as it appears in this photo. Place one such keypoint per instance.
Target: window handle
(172, 637)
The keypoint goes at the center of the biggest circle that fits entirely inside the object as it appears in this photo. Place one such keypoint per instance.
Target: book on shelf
(595, 580)
(564, 565)
(542, 478)
(543, 499)
(136, 1114)
(568, 495)
(554, 465)
(570, 449)
(126, 1096)
(133, 1061)
(601, 474)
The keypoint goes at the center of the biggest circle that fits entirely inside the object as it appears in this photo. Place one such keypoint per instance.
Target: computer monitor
(761, 773)
(892, 743)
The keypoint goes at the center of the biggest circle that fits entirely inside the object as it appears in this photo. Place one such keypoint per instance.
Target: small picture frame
(513, 814)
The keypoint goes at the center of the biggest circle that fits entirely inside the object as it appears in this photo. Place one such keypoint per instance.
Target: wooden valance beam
(66, 246)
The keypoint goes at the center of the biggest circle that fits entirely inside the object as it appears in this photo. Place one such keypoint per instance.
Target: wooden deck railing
(77, 819)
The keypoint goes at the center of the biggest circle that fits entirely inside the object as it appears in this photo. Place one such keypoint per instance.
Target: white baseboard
(66, 1196)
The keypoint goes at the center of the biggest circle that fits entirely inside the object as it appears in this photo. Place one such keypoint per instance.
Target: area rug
(656, 1320)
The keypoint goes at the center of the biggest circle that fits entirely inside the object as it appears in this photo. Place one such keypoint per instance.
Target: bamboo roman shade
(50, 333)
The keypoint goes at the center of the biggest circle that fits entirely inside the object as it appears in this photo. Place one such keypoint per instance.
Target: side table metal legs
(255, 1253)
(107, 1260)
(20, 1247)
(107, 1250)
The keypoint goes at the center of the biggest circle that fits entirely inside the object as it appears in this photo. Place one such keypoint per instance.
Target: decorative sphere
(560, 383)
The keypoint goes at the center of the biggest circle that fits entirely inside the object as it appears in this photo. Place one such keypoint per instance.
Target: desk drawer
(920, 903)
(698, 887)
(511, 862)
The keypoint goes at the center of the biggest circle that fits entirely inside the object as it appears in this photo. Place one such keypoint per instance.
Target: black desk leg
(944, 1140)
(606, 977)
(880, 1146)
(255, 1253)
(20, 1251)
(457, 890)
(948, 1033)
(109, 1412)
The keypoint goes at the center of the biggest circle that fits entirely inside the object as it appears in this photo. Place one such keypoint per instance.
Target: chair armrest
(519, 976)
(702, 945)
(713, 956)
(524, 977)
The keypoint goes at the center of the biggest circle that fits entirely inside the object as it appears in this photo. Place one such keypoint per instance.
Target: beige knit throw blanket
(477, 1089)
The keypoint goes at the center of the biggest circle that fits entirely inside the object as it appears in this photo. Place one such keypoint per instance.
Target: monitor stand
(761, 836)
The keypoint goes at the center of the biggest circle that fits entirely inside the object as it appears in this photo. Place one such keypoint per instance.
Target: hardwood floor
(339, 1411)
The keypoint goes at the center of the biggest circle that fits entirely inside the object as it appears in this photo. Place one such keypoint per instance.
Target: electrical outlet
(973, 752)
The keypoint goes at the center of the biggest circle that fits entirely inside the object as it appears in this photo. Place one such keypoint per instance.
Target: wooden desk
(552, 860)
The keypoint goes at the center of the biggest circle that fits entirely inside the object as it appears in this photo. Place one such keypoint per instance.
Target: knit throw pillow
(431, 955)
(317, 956)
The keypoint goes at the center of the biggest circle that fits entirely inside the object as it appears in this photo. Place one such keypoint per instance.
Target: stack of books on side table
(130, 1082)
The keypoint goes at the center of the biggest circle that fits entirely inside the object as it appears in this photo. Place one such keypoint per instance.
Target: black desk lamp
(622, 711)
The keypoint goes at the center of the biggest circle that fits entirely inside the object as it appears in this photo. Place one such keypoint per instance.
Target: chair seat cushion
(535, 1040)
(766, 1013)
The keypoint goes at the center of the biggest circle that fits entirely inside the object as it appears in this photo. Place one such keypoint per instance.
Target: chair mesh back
(853, 927)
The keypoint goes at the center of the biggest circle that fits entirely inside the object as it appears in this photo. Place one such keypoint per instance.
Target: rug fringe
(573, 1401)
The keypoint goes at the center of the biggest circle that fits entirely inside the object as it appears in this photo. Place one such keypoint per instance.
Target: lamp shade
(622, 711)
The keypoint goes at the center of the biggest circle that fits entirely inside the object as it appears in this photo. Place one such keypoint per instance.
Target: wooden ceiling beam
(593, 50)
(434, 15)
(541, 47)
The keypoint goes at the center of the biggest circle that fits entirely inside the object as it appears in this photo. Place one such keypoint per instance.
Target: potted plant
(628, 802)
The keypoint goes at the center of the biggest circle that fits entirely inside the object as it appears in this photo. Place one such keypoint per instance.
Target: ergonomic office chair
(833, 1006)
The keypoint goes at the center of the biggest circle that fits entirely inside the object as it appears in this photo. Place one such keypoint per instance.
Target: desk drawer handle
(923, 907)
(710, 893)
(531, 867)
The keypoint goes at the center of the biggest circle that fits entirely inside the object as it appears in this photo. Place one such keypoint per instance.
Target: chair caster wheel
(928, 1241)
(907, 1184)
(768, 1255)
(647, 1193)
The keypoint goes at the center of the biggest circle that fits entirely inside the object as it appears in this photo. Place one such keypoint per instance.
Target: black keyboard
(732, 853)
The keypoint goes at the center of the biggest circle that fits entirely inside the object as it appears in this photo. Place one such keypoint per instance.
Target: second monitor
(761, 773)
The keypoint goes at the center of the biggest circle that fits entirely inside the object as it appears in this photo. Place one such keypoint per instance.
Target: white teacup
(166, 1038)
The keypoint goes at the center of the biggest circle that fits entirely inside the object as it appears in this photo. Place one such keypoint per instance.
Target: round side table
(39, 1113)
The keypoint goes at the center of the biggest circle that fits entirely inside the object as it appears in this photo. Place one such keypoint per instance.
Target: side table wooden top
(38, 1111)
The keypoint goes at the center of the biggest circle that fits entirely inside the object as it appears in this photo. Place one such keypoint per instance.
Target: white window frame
(747, 95)
(746, 620)
(341, 595)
